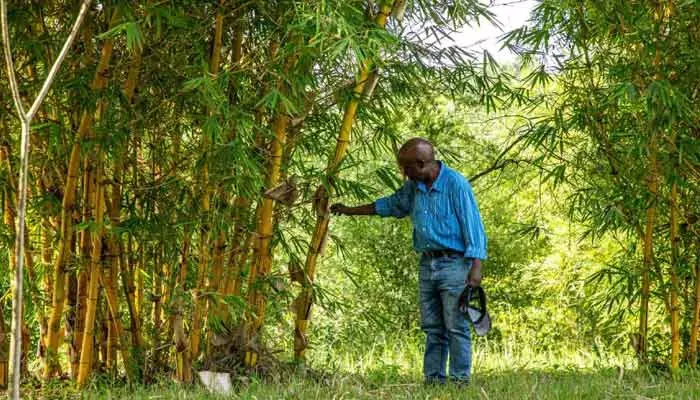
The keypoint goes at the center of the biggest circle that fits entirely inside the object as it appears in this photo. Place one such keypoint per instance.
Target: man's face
(412, 167)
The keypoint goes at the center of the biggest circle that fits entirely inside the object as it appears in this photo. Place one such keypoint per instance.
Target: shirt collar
(439, 184)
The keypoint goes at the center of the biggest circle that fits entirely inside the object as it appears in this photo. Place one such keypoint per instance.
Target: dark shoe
(459, 382)
(433, 381)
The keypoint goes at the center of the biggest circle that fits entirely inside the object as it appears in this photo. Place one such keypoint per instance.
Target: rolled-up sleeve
(397, 205)
(470, 221)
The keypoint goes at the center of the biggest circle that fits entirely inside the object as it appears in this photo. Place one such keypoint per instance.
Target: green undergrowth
(393, 372)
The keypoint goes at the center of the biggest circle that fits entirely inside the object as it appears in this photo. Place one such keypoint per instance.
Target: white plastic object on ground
(216, 382)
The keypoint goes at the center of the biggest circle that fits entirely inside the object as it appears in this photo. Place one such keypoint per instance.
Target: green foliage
(558, 150)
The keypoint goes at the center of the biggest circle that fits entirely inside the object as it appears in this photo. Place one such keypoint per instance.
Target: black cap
(476, 314)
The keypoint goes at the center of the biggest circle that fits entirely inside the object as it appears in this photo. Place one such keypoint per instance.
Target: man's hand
(339, 209)
(342, 209)
(474, 278)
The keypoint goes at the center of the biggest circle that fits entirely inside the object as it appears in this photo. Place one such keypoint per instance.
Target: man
(449, 235)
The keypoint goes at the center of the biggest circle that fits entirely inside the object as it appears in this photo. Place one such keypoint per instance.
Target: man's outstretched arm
(342, 209)
(398, 205)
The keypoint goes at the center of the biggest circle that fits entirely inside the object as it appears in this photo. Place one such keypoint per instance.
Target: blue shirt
(445, 217)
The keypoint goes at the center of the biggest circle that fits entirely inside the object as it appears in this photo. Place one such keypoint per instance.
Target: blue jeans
(442, 280)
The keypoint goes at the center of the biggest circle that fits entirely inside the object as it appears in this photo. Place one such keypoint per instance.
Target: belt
(441, 253)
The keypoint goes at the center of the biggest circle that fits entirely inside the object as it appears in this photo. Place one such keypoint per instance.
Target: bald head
(417, 160)
(419, 148)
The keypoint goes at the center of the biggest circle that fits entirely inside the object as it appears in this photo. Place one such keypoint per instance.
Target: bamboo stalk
(239, 202)
(101, 356)
(305, 298)
(71, 302)
(86, 353)
(9, 216)
(205, 206)
(26, 119)
(184, 369)
(68, 204)
(112, 346)
(46, 259)
(114, 245)
(695, 326)
(139, 284)
(675, 303)
(652, 186)
(157, 296)
(127, 276)
(241, 246)
(4, 348)
(263, 259)
(214, 285)
(117, 339)
(85, 255)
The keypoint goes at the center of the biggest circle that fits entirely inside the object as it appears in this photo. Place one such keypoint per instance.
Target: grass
(393, 372)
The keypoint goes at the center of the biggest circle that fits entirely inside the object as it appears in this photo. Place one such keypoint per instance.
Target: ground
(395, 374)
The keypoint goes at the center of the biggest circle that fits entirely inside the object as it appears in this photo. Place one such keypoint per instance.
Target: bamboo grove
(183, 164)
(622, 130)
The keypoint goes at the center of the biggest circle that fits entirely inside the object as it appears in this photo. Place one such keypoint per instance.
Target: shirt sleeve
(397, 205)
(470, 221)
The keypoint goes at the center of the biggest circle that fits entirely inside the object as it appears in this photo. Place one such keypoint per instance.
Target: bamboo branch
(9, 63)
(57, 64)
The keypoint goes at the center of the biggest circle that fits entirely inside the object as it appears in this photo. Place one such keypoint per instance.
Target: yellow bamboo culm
(129, 90)
(215, 286)
(652, 186)
(695, 326)
(240, 202)
(86, 353)
(9, 216)
(304, 300)
(84, 256)
(117, 337)
(263, 260)
(674, 303)
(157, 297)
(4, 351)
(67, 207)
(182, 348)
(138, 282)
(200, 305)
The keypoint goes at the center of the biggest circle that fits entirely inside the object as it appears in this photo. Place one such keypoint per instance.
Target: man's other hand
(474, 278)
(339, 209)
